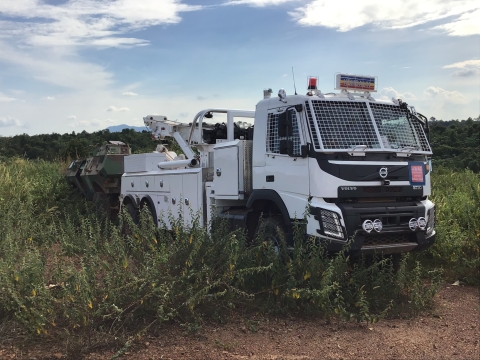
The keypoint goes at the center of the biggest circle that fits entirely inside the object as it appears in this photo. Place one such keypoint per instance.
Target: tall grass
(457, 248)
(66, 269)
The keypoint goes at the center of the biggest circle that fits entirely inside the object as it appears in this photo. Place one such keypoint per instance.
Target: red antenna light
(312, 83)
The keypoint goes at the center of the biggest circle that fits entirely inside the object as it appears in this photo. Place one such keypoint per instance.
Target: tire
(132, 211)
(146, 205)
(274, 231)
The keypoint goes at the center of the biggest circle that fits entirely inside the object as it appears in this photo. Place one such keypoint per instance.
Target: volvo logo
(383, 172)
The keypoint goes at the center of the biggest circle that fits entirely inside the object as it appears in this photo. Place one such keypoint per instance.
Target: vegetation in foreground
(67, 270)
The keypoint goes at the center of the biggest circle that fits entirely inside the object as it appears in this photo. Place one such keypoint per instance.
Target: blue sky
(88, 64)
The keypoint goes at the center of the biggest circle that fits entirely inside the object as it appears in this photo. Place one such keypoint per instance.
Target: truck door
(286, 171)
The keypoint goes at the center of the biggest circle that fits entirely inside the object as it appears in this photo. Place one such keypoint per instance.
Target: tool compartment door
(226, 169)
(192, 199)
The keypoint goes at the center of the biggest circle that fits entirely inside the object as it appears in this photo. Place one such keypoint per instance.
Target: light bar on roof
(355, 82)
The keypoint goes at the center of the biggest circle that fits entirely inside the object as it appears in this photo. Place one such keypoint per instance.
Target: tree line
(65, 147)
(455, 144)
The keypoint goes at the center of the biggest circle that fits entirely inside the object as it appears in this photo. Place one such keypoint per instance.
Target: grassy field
(65, 269)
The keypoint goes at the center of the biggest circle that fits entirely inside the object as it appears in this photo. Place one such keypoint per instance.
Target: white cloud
(118, 42)
(81, 123)
(441, 95)
(91, 123)
(389, 92)
(9, 121)
(467, 68)
(463, 64)
(257, 3)
(434, 101)
(87, 22)
(466, 24)
(72, 117)
(5, 98)
(129, 93)
(57, 68)
(17, 92)
(347, 15)
(50, 98)
(115, 109)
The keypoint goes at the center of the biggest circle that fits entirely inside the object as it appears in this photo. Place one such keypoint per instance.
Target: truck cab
(358, 167)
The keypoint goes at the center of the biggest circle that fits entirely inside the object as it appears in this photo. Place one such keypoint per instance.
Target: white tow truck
(344, 166)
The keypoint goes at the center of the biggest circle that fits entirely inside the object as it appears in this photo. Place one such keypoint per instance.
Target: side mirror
(285, 122)
(304, 150)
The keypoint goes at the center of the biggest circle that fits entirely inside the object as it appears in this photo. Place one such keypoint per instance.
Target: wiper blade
(407, 148)
(358, 150)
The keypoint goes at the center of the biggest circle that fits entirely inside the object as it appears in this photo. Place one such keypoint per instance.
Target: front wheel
(273, 230)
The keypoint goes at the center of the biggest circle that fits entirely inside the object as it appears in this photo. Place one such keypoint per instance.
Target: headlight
(331, 224)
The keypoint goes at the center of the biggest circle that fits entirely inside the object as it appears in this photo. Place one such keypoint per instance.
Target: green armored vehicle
(98, 177)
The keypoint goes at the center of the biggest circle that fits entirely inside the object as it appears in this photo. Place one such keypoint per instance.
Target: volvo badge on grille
(383, 172)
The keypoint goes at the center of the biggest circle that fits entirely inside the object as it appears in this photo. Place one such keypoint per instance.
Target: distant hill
(119, 128)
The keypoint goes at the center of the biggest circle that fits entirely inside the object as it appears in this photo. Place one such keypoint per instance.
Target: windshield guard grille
(343, 126)
(396, 131)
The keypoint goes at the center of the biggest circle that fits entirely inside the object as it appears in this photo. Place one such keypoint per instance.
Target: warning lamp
(312, 82)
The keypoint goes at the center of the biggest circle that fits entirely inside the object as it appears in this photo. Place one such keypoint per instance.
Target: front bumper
(394, 237)
(356, 247)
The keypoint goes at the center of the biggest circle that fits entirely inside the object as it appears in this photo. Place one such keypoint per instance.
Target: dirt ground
(450, 331)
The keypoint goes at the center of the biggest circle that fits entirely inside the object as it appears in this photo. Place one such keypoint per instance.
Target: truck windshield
(345, 125)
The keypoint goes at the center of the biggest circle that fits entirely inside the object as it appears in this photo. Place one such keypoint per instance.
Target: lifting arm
(161, 128)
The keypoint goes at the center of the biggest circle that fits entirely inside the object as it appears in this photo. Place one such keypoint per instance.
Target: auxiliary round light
(367, 226)
(413, 224)
(377, 225)
(422, 223)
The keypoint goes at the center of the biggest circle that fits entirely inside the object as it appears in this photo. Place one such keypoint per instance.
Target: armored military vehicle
(98, 177)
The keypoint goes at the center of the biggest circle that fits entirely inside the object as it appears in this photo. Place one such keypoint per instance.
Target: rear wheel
(151, 211)
(132, 211)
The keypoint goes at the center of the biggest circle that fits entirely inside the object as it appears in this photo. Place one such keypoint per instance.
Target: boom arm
(161, 128)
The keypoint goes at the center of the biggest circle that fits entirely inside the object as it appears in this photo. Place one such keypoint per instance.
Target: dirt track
(451, 331)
